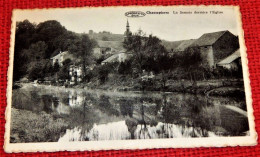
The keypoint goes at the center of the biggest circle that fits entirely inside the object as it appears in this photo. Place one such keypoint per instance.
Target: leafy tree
(103, 72)
(35, 70)
(64, 70)
(47, 31)
(83, 47)
(192, 63)
(56, 67)
(125, 67)
(136, 44)
(23, 38)
(35, 52)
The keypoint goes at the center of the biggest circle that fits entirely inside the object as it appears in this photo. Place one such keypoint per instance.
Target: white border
(134, 144)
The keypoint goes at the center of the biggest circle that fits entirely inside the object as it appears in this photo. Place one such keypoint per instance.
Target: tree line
(35, 44)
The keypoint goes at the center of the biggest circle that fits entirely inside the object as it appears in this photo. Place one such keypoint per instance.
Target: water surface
(95, 115)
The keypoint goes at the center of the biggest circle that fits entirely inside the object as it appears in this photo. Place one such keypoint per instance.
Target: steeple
(127, 32)
(127, 26)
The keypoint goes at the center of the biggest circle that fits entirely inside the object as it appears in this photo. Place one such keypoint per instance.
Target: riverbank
(216, 87)
(31, 127)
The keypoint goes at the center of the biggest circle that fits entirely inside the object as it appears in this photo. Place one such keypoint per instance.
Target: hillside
(106, 36)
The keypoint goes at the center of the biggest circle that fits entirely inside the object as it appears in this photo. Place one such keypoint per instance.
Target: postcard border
(133, 144)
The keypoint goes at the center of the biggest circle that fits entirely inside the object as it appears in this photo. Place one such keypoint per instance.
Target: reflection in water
(119, 131)
(109, 131)
(104, 116)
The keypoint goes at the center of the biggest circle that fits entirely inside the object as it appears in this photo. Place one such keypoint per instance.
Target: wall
(207, 55)
(225, 46)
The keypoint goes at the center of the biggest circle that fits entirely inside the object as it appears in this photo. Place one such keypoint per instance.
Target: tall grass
(27, 126)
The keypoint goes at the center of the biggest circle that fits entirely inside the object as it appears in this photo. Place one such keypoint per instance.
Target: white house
(61, 57)
(75, 73)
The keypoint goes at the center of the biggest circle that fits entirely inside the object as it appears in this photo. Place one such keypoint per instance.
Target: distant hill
(114, 45)
(106, 36)
(171, 45)
(177, 46)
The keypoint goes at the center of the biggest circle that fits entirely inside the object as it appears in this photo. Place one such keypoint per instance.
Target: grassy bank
(27, 126)
(216, 87)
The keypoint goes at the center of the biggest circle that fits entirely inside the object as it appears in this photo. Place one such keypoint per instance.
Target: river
(95, 115)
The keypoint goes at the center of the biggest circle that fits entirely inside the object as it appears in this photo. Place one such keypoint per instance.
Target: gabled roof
(230, 58)
(171, 45)
(208, 39)
(184, 45)
(58, 54)
(112, 58)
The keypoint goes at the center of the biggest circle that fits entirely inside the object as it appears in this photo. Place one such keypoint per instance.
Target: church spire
(127, 26)
(127, 33)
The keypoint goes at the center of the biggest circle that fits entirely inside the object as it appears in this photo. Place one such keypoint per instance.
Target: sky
(171, 27)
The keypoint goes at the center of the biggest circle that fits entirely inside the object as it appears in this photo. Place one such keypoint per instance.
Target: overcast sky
(170, 27)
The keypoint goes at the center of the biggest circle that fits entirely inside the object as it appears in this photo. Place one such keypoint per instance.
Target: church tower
(127, 26)
(127, 33)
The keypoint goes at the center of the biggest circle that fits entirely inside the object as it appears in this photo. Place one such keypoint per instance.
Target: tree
(83, 47)
(36, 70)
(125, 67)
(136, 44)
(56, 67)
(63, 72)
(192, 63)
(23, 38)
(48, 31)
(103, 72)
(35, 52)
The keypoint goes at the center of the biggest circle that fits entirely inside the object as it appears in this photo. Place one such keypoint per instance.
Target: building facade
(216, 46)
(61, 57)
(76, 74)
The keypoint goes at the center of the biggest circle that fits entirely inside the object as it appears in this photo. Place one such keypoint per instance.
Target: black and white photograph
(128, 78)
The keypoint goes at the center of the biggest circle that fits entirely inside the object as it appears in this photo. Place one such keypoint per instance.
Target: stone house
(216, 46)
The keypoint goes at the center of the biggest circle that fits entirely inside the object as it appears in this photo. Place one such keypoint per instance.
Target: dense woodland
(35, 44)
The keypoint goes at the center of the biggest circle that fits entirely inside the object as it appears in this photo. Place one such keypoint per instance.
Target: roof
(171, 45)
(208, 39)
(58, 54)
(184, 45)
(112, 58)
(117, 45)
(230, 58)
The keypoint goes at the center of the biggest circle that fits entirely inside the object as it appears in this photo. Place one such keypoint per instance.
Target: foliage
(37, 127)
(103, 72)
(125, 67)
(149, 53)
(39, 42)
(63, 72)
(36, 70)
(24, 30)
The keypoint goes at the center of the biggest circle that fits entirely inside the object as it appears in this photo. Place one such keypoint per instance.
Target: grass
(27, 126)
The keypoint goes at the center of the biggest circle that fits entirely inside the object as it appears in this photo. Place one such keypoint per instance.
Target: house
(232, 62)
(76, 74)
(119, 57)
(107, 47)
(216, 46)
(61, 57)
